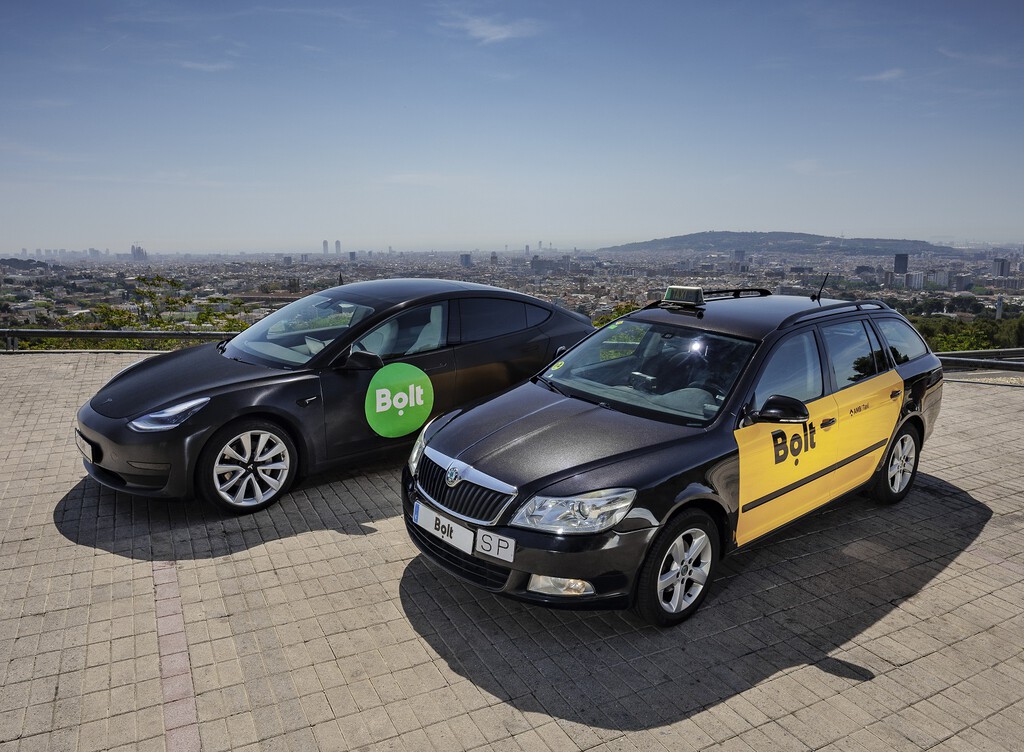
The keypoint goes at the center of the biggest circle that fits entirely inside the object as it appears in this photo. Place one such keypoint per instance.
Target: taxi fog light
(584, 513)
(541, 583)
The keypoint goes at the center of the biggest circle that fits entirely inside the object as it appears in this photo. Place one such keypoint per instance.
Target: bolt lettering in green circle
(399, 400)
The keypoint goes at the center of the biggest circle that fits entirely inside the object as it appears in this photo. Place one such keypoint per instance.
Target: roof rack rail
(856, 305)
(738, 292)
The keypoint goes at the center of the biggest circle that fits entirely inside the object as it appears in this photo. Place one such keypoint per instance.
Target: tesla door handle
(895, 393)
(828, 422)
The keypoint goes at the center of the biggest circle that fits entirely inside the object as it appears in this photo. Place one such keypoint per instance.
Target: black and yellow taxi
(622, 473)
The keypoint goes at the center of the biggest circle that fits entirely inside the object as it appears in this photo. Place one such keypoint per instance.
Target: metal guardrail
(963, 359)
(11, 336)
(984, 359)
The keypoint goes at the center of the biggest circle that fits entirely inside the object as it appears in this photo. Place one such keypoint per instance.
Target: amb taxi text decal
(399, 400)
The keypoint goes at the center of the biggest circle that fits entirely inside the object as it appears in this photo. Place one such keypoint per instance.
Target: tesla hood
(172, 377)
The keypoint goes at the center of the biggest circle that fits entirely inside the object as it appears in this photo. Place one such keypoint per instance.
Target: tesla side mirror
(781, 409)
(362, 360)
(560, 352)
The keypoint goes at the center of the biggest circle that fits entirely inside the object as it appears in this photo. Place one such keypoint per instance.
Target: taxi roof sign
(688, 296)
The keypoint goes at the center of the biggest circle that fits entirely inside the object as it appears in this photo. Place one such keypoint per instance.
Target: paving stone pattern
(134, 624)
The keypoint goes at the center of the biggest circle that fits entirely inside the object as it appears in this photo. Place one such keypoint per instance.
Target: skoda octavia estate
(338, 375)
(624, 471)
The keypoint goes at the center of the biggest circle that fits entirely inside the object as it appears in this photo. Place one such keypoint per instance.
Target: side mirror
(781, 409)
(560, 352)
(362, 360)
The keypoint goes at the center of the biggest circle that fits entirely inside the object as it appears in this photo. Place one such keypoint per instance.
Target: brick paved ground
(134, 624)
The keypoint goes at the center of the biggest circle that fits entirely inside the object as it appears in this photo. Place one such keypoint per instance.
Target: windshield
(289, 337)
(660, 370)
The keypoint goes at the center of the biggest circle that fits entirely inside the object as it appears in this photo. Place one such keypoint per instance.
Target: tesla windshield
(289, 337)
(675, 371)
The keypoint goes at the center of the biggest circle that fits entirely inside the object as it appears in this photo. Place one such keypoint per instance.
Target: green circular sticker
(399, 400)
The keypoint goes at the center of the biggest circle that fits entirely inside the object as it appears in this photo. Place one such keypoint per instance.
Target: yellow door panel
(867, 414)
(785, 469)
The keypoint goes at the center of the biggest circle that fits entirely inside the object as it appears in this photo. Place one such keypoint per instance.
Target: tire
(247, 466)
(676, 575)
(897, 473)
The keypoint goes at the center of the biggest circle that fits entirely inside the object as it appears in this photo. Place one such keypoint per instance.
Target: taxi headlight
(169, 417)
(569, 515)
(417, 450)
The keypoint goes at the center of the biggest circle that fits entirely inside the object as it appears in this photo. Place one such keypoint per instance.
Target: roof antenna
(818, 296)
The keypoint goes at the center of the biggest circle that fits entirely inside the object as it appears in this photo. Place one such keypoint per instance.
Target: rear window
(484, 318)
(850, 351)
(905, 344)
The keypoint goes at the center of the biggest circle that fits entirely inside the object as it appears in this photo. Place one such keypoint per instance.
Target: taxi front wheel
(677, 573)
(897, 473)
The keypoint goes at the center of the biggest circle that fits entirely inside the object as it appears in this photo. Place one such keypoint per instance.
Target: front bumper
(609, 561)
(158, 464)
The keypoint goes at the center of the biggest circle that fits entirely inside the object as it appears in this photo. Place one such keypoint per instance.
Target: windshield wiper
(550, 385)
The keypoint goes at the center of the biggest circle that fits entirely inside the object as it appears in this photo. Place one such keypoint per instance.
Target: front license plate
(83, 445)
(498, 546)
(443, 528)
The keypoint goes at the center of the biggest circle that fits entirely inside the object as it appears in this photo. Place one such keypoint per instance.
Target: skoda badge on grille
(452, 477)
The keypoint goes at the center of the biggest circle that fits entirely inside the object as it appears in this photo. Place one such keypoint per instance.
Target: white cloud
(205, 67)
(805, 167)
(426, 179)
(35, 153)
(492, 30)
(994, 61)
(893, 74)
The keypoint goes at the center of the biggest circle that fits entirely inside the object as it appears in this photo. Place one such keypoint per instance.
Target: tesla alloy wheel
(247, 466)
(897, 474)
(677, 573)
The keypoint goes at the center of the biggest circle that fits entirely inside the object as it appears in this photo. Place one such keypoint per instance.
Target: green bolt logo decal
(399, 400)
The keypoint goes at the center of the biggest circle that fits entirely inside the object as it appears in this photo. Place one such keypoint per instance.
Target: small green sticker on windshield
(558, 365)
(399, 400)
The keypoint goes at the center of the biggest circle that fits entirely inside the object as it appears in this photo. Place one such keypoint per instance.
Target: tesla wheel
(247, 466)
(676, 575)
(897, 473)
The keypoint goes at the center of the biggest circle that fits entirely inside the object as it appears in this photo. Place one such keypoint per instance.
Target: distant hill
(780, 242)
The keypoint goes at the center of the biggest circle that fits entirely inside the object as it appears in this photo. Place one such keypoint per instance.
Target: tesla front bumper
(158, 464)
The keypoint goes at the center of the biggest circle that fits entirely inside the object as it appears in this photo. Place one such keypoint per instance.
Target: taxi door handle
(895, 393)
(828, 422)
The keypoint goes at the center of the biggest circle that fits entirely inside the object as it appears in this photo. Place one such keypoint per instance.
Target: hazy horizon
(452, 126)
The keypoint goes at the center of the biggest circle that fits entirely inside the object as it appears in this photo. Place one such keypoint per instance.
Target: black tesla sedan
(338, 375)
(676, 434)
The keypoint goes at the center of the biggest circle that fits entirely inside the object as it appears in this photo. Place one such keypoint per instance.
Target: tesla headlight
(567, 515)
(417, 450)
(169, 417)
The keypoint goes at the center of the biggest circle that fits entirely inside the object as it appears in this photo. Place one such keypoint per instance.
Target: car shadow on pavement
(800, 598)
(349, 500)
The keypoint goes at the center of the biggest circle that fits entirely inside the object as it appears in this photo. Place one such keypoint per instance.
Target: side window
(904, 343)
(484, 318)
(793, 370)
(536, 315)
(881, 362)
(418, 330)
(850, 351)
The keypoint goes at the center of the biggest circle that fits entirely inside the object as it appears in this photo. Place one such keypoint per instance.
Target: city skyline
(478, 125)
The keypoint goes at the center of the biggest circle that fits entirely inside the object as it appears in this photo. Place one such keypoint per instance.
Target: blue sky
(224, 126)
